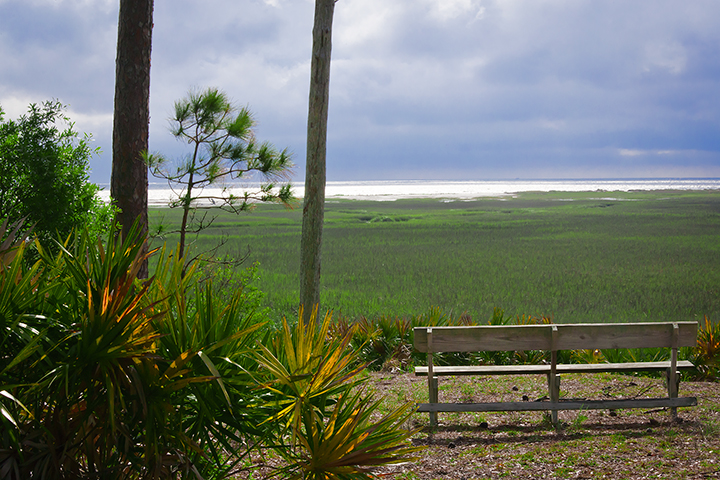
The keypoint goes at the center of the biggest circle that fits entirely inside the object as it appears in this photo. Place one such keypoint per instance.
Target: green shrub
(707, 352)
(44, 175)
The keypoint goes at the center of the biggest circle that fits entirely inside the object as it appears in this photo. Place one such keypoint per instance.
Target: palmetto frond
(319, 400)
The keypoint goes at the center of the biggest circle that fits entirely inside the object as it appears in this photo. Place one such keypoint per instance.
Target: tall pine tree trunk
(129, 181)
(314, 203)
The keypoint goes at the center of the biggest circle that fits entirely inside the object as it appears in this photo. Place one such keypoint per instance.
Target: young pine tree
(224, 151)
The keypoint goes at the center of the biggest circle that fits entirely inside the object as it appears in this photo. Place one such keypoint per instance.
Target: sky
(419, 89)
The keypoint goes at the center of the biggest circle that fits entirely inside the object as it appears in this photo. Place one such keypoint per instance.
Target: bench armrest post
(432, 381)
(672, 377)
(553, 380)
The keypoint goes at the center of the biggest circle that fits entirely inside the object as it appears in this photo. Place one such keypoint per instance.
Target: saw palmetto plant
(322, 409)
(92, 396)
(707, 352)
(85, 390)
(217, 335)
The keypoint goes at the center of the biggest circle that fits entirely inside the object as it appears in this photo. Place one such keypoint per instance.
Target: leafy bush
(44, 174)
(707, 352)
(386, 343)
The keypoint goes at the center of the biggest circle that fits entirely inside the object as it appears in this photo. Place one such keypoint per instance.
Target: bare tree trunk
(314, 203)
(129, 181)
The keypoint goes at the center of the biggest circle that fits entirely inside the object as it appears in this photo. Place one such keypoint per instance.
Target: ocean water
(466, 190)
(159, 194)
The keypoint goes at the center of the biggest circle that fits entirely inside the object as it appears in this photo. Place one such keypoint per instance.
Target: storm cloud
(420, 89)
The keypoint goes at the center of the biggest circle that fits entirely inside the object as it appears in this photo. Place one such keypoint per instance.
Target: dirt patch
(629, 444)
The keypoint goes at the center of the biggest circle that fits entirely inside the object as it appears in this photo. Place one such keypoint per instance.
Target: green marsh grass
(574, 257)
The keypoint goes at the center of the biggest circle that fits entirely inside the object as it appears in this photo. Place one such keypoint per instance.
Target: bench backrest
(553, 337)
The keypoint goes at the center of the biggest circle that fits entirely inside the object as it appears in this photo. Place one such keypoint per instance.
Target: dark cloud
(419, 88)
(57, 49)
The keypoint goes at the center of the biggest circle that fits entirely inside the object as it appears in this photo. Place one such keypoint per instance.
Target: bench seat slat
(421, 370)
(561, 405)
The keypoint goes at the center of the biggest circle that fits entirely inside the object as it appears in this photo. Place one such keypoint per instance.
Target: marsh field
(575, 257)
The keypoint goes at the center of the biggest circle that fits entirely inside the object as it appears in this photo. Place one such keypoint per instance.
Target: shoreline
(387, 191)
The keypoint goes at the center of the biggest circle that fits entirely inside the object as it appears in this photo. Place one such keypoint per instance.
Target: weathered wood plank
(623, 367)
(484, 338)
(444, 370)
(421, 370)
(569, 336)
(624, 335)
(561, 405)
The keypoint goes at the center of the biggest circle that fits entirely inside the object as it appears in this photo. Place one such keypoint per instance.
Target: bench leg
(554, 390)
(433, 399)
(673, 385)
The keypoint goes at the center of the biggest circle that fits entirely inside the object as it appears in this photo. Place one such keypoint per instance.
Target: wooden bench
(553, 338)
